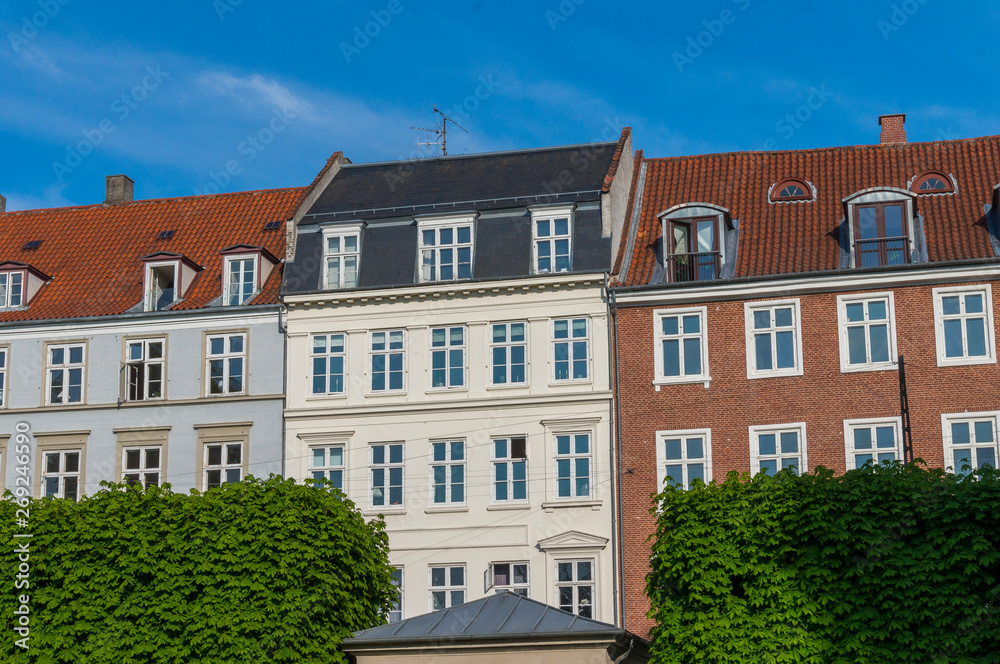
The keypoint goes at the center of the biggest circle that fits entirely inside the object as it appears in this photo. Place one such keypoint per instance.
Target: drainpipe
(616, 512)
(283, 331)
(631, 645)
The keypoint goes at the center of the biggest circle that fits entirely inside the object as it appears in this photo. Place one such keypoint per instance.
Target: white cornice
(139, 324)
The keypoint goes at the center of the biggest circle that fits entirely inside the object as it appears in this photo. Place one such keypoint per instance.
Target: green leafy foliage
(888, 563)
(259, 571)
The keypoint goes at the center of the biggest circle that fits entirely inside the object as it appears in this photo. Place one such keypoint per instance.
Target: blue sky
(173, 93)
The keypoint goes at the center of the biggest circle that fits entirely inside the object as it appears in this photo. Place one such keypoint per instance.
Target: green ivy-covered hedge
(887, 564)
(260, 571)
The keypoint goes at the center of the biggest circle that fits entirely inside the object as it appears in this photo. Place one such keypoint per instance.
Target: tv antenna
(440, 130)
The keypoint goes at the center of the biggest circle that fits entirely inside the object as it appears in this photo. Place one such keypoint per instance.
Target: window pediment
(572, 539)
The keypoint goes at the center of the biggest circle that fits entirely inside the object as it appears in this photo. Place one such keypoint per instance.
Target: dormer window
(342, 254)
(166, 278)
(791, 189)
(11, 289)
(694, 247)
(881, 227)
(445, 249)
(552, 231)
(933, 182)
(246, 269)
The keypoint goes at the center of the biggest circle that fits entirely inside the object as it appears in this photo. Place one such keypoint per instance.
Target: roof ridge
(473, 155)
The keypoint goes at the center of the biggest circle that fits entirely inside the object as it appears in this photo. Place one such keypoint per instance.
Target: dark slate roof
(479, 181)
(503, 616)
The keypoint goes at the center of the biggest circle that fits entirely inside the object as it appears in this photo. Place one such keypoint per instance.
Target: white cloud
(254, 91)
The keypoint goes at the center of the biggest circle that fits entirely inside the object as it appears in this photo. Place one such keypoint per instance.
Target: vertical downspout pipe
(616, 396)
(283, 331)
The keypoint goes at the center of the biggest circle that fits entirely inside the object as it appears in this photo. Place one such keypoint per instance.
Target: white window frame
(947, 419)
(400, 594)
(661, 456)
(508, 462)
(939, 293)
(342, 233)
(507, 346)
(871, 423)
(523, 588)
(387, 352)
(7, 289)
(144, 469)
(843, 324)
(550, 215)
(436, 225)
(242, 298)
(748, 311)
(148, 291)
(4, 367)
(658, 316)
(328, 466)
(62, 473)
(576, 583)
(778, 429)
(226, 357)
(569, 341)
(146, 363)
(572, 456)
(449, 464)
(327, 356)
(448, 588)
(225, 464)
(447, 349)
(386, 466)
(66, 366)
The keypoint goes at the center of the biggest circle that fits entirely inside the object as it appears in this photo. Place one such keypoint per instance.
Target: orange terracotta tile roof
(93, 253)
(797, 237)
(616, 159)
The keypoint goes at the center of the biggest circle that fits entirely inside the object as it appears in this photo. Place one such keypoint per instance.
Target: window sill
(387, 393)
(567, 382)
(446, 509)
(964, 361)
(756, 375)
(861, 368)
(692, 380)
(554, 505)
(514, 386)
(502, 507)
(394, 511)
(327, 397)
(446, 390)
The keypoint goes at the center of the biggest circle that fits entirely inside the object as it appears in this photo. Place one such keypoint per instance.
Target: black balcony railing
(693, 267)
(882, 251)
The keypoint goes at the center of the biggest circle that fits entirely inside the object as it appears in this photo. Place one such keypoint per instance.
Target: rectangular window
(964, 325)
(446, 253)
(509, 354)
(553, 242)
(11, 289)
(61, 474)
(241, 279)
(510, 469)
(144, 369)
(779, 447)
(342, 253)
(573, 456)
(510, 576)
(141, 465)
(387, 474)
(867, 332)
(448, 473)
(65, 374)
(683, 457)
(3, 377)
(161, 286)
(773, 339)
(575, 586)
(328, 463)
(448, 357)
(227, 355)
(396, 612)
(970, 441)
(447, 587)
(571, 348)
(387, 361)
(682, 346)
(872, 441)
(881, 235)
(328, 358)
(693, 250)
(223, 463)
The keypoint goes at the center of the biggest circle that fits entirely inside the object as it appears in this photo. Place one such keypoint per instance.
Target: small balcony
(704, 266)
(882, 251)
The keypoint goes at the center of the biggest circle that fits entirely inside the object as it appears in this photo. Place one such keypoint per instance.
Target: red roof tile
(796, 237)
(616, 159)
(94, 253)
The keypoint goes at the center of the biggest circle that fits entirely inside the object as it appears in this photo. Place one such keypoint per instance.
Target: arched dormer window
(880, 223)
(932, 182)
(694, 247)
(789, 190)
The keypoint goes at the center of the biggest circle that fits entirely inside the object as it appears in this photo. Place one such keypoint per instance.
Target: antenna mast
(440, 131)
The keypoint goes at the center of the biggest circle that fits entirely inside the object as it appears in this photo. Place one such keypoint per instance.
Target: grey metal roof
(503, 616)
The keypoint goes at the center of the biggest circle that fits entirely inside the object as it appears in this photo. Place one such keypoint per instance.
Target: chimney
(118, 190)
(3, 204)
(893, 131)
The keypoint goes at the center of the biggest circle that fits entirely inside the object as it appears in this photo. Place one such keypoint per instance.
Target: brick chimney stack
(118, 190)
(893, 129)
